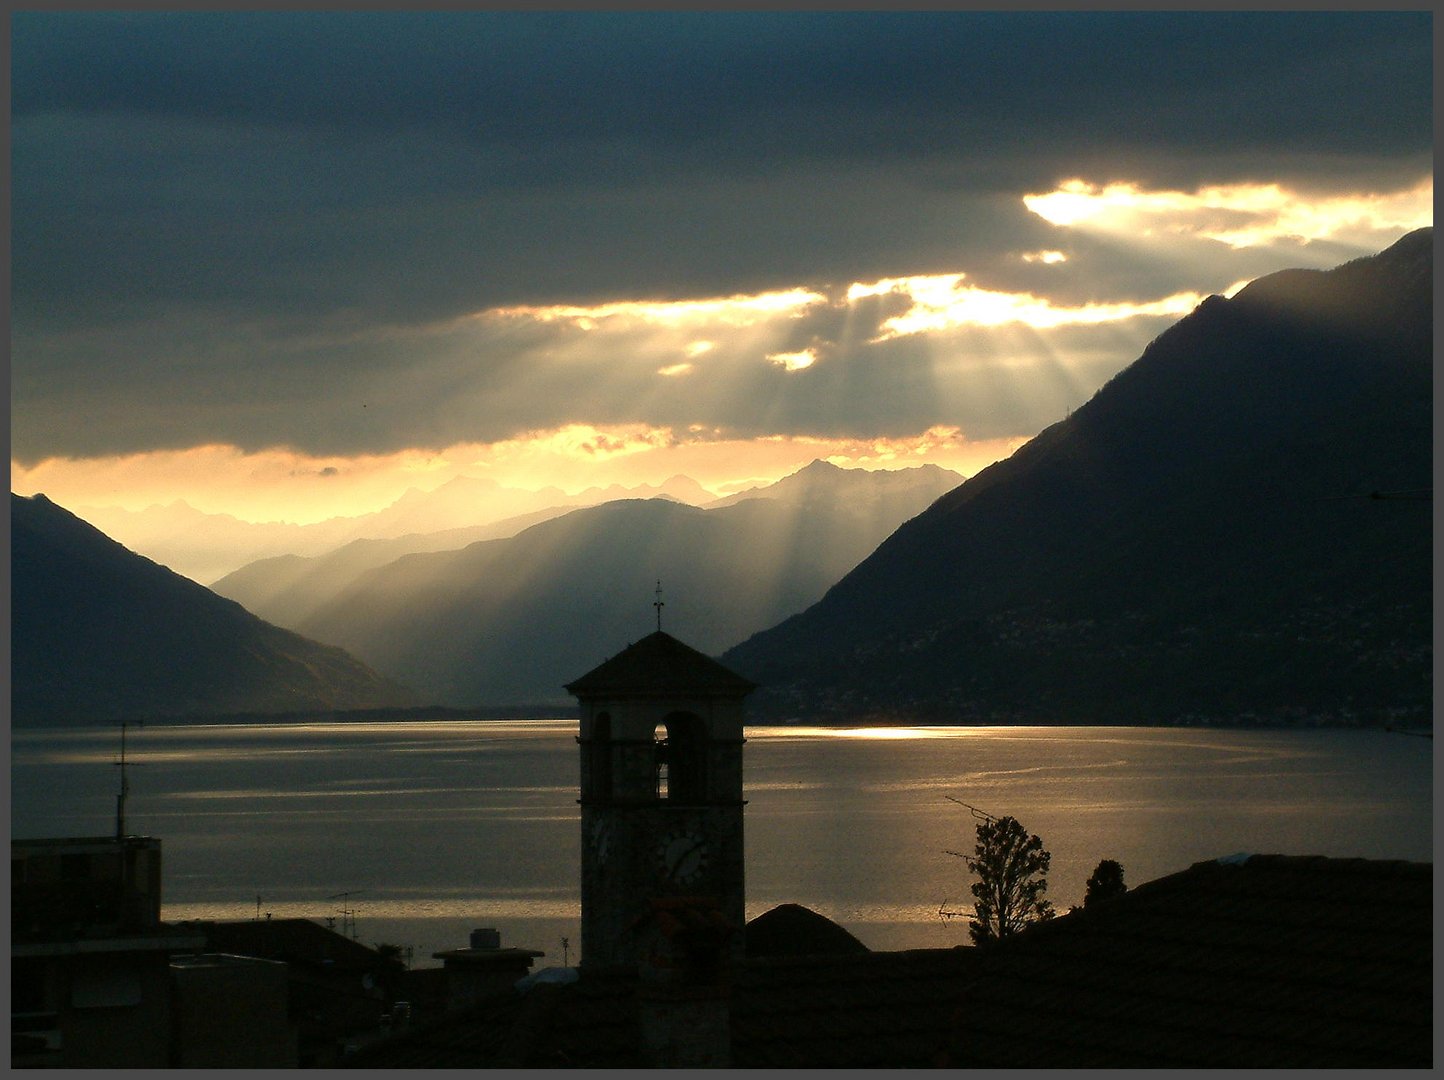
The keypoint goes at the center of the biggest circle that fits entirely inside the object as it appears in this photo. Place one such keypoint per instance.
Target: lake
(417, 832)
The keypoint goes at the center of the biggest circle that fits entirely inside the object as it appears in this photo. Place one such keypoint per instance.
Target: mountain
(288, 589)
(99, 633)
(509, 621)
(679, 488)
(864, 506)
(206, 547)
(883, 494)
(1198, 541)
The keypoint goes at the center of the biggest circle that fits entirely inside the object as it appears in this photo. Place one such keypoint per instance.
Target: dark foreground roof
(659, 663)
(869, 1010)
(296, 941)
(1270, 962)
(793, 930)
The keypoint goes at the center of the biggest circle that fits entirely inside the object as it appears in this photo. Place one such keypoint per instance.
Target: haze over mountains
(99, 633)
(497, 621)
(102, 632)
(206, 547)
(1196, 542)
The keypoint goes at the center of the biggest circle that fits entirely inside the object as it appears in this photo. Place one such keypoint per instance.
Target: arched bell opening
(680, 755)
(662, 761)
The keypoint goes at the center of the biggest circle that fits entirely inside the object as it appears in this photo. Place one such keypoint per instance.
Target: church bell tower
(661, 791)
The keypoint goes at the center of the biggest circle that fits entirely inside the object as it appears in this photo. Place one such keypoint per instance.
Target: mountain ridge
(290, 590)
(506, 619)
(1121, 541)
(102, 633)
(206, 547)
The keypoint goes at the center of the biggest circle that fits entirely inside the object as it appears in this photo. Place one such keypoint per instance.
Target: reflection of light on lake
(453, 825)
(336, 789)
(468, 907)
(801, 732)
(889, 733)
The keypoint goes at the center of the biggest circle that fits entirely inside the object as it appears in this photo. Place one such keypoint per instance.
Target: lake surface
(417, 832)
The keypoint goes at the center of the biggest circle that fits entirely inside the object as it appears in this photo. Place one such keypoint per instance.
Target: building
(231, 1012)
(483, 970)
(90, 977)
(338, 991)
(661, 792)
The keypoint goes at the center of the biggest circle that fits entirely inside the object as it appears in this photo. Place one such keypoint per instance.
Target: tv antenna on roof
(124, 787)
(347, 911)
(659, 605)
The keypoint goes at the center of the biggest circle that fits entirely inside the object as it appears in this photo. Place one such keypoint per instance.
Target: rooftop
(861, 1010)
(659, 663)
(297, 941)
(1262, 961)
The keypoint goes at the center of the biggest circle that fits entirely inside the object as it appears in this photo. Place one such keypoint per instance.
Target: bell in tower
(661, 791)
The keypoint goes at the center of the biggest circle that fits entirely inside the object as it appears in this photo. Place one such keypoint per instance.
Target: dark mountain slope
(1194, 541)
(100, 633)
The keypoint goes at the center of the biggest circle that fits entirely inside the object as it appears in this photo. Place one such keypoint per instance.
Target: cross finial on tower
(657, 603)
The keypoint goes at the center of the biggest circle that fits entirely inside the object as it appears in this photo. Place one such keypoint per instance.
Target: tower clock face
(601, 839)
(683, 856)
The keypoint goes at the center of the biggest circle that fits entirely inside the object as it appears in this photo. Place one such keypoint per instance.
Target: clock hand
(680, 859)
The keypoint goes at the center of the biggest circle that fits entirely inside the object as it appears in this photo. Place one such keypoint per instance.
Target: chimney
(484, 969)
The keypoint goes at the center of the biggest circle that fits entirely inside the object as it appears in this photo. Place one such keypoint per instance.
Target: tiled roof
(659, 663)
(1270, 962)
(1274, 961)
(591, 1023)
(297, 941)
(868, 1010)
(793, 930)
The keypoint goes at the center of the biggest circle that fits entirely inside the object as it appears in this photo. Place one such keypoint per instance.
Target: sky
(288, 265)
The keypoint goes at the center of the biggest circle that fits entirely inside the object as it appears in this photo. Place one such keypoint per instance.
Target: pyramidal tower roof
(660, 664)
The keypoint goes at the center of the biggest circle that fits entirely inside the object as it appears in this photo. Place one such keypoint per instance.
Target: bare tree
(1011, 866)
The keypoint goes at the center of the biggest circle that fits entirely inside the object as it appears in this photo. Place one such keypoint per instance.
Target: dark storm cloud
(834, 84)
(210, 203)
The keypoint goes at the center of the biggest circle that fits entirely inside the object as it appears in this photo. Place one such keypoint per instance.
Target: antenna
(124, 788)
(347, 912)
(981, 815)
(657, 603)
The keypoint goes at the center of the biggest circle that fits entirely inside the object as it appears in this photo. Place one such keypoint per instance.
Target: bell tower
(661, 791)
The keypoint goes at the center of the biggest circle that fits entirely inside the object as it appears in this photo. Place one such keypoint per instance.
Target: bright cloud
(1239, 215)
(794, 361)
(673, 370)
(269, 485)
(1048, 258)
(942, 302)
(719, 311)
